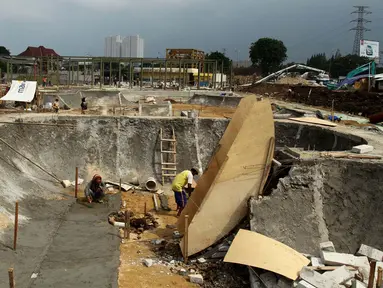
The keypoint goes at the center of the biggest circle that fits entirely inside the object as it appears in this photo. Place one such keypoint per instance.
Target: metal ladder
(168, 168)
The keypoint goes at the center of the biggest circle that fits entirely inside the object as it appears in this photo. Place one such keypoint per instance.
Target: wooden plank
(329, 268)
(256, 250)
(234, 174)
(313, 120)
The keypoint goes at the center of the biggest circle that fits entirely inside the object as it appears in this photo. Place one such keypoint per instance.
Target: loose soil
(132, 272)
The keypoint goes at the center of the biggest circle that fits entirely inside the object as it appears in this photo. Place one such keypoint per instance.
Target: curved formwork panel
(235, 173)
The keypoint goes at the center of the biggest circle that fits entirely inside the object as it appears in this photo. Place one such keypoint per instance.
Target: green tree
(342, 65)
(3, 52)
(219, 57)
(268, 54)
(318, 61)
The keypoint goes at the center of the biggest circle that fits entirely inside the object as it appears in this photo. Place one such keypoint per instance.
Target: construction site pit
(310, 196)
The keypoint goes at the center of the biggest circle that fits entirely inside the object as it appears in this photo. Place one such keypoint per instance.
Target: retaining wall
(336, 200)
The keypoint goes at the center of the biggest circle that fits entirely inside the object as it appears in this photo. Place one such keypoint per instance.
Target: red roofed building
(38, 52)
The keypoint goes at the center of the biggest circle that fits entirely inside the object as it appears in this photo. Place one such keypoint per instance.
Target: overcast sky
(78, 27)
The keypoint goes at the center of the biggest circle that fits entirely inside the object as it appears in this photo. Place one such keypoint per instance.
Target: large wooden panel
(234, 174)
(256, 250)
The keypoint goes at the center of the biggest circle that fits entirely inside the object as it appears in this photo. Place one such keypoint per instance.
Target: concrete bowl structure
(317, 196)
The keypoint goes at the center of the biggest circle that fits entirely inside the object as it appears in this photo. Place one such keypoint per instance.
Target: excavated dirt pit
(336, 200)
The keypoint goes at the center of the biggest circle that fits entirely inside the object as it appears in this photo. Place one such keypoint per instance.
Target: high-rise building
(113, 46)
(130, 46)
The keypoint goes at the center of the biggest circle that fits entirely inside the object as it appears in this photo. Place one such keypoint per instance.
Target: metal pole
(152, 74)
(11, 70)
(179, 74)
(166, 73)
(142, 73)
(208, 73)
(92, 73)
(130, 74)
(369, 76)
(231, 76)
(101, 73)
(119, 72)
(58, 71)
(16, 225)
(110, 73)
(186, 239)
(78, 73)
(199, 75)
(69, 65)
(222, 70)
(8, 72)
(215, 74)
(76, 184)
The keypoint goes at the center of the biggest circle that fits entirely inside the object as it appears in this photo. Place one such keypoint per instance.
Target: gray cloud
(77, 27)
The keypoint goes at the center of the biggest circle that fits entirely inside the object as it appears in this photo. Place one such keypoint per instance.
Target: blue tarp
(351, 81)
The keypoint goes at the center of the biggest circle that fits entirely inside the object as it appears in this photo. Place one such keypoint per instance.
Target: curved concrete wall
(335, 200)
(115, 147)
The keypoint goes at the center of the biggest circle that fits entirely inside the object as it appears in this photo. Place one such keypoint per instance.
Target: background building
(192, 54)
(118, 46)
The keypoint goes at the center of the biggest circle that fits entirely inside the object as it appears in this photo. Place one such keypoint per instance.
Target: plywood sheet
(234, 174)
(256, 250)
(313, 120)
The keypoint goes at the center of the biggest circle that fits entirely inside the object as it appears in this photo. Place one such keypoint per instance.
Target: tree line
(268, 55)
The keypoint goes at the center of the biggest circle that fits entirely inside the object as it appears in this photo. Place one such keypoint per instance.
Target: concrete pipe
(151, 184)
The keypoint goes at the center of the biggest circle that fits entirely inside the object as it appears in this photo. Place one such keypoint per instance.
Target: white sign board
(21, 91)
(369, 49)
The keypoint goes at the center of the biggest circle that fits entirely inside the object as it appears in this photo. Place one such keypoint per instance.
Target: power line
(360, 28)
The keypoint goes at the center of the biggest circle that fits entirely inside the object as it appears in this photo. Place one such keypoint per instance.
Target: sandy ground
(205, 111)
(132, 272)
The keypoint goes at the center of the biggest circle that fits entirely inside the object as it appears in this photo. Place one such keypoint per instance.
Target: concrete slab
(84, 251)
(370, 252)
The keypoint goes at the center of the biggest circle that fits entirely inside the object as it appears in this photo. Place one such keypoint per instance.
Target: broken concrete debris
(201, 260)
(196, 278)
(370, 252)
(362, 149)
(347, 270)
(148, 262)
(327, 246)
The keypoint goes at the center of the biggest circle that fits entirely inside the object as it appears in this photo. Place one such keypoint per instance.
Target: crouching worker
(94, 191)
(178, 186)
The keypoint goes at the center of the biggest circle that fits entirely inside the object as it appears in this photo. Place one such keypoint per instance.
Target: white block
(196, 278)
(361, 149)
(148, 262)
(66, 183)
(327, 246)
(316, 261)
(335, 259)
(340, 275)
(201, 260)
(305, 284)
(370, 252)
(316, 279)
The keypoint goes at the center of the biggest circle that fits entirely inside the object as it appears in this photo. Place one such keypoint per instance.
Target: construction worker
(56, 105)
(178, 186)
(95, 190)
(84, 105)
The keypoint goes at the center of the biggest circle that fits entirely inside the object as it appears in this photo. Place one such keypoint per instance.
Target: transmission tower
(360, 28)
